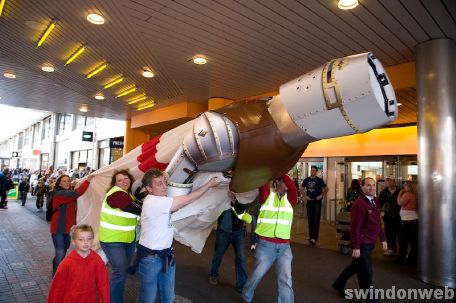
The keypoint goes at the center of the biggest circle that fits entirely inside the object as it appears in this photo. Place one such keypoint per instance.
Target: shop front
(110, 150)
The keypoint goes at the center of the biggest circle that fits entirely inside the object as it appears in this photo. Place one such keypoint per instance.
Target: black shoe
(340, 290)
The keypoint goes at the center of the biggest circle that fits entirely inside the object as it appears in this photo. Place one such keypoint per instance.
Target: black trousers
(392, 230)
(313, 218)
(361, 266)
(23, 197)
(3, 195)
(409, 236)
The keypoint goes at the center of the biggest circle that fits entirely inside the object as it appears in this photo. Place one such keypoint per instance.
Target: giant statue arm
(255, 140)
(260, 140)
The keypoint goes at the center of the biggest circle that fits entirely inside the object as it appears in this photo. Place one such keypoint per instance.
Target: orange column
(133, 137)
(215, 103)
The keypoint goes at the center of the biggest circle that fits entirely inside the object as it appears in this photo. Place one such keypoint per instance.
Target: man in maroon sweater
(365, 229)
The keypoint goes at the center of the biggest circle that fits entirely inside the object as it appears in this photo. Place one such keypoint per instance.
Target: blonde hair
(412, 186)
(75, 229)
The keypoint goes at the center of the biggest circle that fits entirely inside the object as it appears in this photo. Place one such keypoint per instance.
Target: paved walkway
(26, 252)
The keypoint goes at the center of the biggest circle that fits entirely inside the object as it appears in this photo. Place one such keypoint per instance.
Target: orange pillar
(215, 103)
(133, 137)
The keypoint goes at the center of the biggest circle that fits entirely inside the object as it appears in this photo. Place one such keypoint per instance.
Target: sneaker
(313, 242)
(253, 247)
(213, 280)
(340, 290)
(389, 252)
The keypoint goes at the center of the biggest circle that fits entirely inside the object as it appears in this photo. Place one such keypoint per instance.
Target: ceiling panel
(253, 46)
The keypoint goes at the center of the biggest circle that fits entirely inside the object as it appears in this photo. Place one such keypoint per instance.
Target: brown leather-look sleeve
(263, 154)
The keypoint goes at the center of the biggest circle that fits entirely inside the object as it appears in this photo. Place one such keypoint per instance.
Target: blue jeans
(152, 278)
(61, 245)
(119, 255)
(265, 255)
(222, 242)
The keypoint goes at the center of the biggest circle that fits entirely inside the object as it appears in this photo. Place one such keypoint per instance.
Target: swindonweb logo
(394, 293)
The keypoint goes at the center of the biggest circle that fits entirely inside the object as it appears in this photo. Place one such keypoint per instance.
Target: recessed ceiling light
(95, 18)
(147, 73)
(347, 4)
(9, 74)
(199, 59)
(48, 68)
(99, 96)
(84, 108)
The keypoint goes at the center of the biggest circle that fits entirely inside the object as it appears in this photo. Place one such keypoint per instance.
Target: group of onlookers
(400, 218)
(400, 221)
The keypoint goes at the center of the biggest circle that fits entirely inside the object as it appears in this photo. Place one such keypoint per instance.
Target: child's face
(83, 241)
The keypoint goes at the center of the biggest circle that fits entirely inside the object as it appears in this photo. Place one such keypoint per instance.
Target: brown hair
(75, 229)
(151, 174)
(363, 181)
(124, 172)
(59, 179)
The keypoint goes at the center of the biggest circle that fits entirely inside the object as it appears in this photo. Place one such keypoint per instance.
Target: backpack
(49, 207)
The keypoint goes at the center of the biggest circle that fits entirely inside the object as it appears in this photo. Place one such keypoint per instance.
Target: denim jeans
(152, 279)
(222, 242)
(61, 245)
(265, 255)
(119, 256)
(313, 217)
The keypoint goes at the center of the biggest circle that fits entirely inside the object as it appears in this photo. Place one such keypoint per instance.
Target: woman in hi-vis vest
(118, 220)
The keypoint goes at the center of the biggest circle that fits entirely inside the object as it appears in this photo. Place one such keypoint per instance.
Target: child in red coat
(81, 273)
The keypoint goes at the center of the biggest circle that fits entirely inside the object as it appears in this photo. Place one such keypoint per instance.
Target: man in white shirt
(155, 255)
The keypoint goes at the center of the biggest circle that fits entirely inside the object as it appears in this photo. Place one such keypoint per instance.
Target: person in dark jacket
(230, 230)
(391, 217)
(365, 229)
(62, 212)
(24, 188)
(3, 189)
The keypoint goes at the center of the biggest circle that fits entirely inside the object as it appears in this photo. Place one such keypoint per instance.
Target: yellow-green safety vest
(246, 217)
(116, 225)
(275, 218)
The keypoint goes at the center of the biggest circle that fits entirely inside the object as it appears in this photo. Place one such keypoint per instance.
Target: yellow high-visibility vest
(116, 225)
(275, 218)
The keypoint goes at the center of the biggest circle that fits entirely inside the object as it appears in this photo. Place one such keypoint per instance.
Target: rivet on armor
(202, 133)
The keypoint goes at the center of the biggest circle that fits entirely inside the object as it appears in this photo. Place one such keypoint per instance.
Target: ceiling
(252, 47)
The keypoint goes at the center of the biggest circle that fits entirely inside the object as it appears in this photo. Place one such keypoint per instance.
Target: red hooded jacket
(64, 207)
(78, 279)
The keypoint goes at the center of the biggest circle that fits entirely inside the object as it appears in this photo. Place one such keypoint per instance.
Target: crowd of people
(38, 183)
(270, 216)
